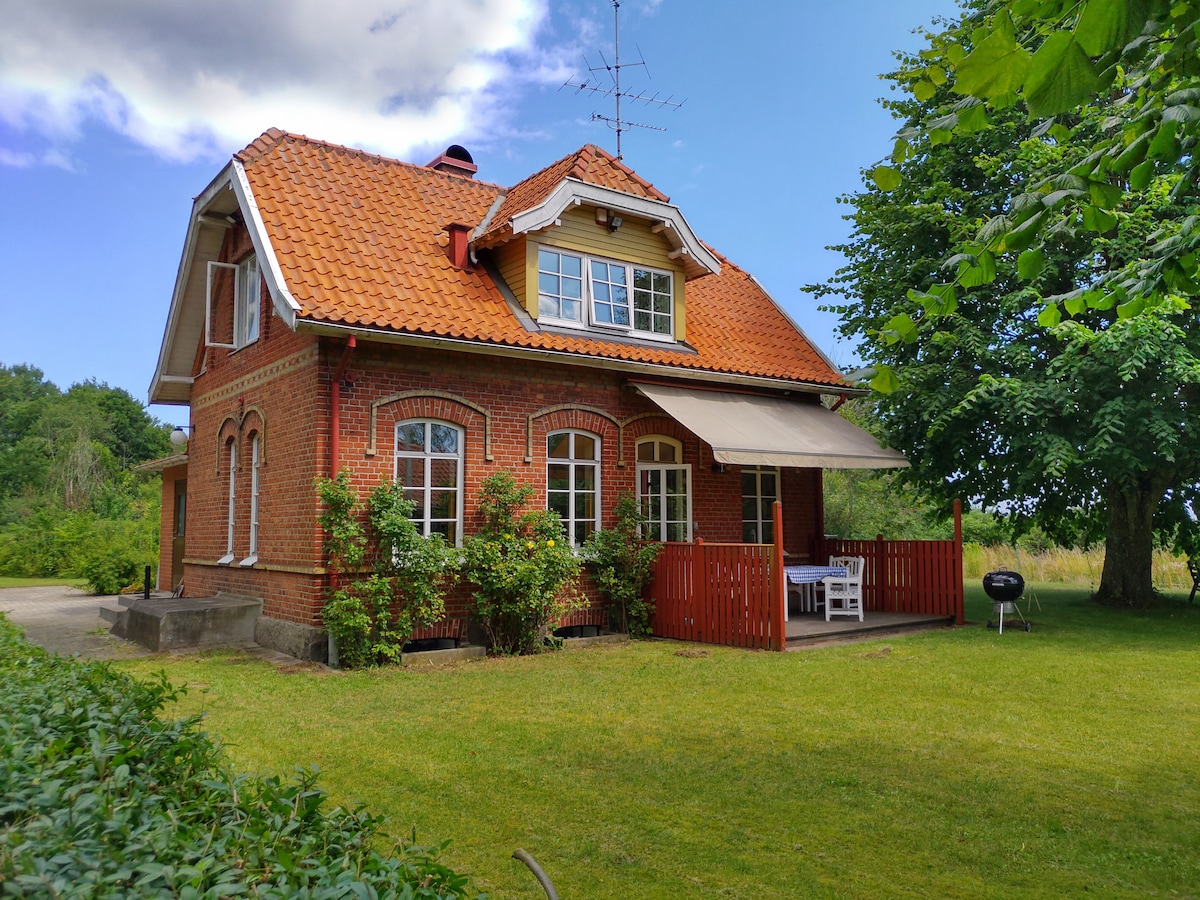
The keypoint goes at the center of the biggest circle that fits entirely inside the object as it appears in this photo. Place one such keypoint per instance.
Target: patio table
(809, 576)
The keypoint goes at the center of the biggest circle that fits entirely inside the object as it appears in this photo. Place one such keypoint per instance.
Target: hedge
(101, 796)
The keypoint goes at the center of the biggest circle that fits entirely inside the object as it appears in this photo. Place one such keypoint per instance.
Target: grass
(957, 763)
(7, 581)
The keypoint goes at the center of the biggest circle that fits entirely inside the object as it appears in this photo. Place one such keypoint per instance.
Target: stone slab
(176, 622)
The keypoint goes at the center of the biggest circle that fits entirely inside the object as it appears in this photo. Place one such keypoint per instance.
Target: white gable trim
(285, 303)
(698, 260)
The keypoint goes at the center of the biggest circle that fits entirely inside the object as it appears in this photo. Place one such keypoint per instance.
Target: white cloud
(194, 80)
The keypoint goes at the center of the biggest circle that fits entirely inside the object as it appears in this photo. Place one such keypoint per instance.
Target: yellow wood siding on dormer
(634, 242)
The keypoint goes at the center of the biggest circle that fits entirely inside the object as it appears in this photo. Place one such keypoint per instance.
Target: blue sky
(114, 114)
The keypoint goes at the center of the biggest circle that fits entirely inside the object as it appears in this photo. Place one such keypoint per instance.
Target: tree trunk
(1129, 545)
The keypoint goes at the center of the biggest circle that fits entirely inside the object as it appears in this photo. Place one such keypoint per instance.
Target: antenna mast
(617, 123)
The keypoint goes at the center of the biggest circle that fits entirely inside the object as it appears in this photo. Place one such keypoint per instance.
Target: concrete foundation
(177, 622)
(301, 641)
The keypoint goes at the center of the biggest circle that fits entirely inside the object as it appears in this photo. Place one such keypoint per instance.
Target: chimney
(459, 248)
(455, 161)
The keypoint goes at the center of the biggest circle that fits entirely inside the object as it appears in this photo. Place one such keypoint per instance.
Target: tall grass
(1066, 566)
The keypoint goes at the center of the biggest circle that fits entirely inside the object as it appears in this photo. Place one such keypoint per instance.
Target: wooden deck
(809, 628)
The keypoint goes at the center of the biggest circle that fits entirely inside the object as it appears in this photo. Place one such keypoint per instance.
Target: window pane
(418, 501)
(676, 508)
(767, 503)
(749, 484)
(645, 451)
(572, 265)
(547, 261)
(443, 439)
(560, 503)
(642, 279)
(750, 533)
(443, 473)
(768, 485)
(641, 321)
(442, 504)
(548, 284)
(666, 452)
(411, 437)
(749, 508)
(411, 472)
(572, 287)
(604, 314)
(662, 303)
(662, 325)
(547, 306)
(447, 529)
(600, 291)
(558, 478)
(573, 310)
(559, 445)
(662, 283)
(585, 506)
(585, 478)
(585, 447)
(768, 532)
(582, 530)
(677, 531)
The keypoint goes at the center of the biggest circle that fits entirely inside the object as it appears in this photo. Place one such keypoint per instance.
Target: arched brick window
(429, 463)
(573, 481)
(664, 488)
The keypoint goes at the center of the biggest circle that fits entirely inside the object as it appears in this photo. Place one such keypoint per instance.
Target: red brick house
(336, 309)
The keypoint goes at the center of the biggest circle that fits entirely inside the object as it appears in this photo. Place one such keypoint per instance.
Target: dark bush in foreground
(99, 797)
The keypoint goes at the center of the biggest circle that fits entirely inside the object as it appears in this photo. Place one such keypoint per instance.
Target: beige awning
(750, 430)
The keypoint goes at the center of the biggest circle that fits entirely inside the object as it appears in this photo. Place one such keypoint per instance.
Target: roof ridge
(597, 150)
(272, 137)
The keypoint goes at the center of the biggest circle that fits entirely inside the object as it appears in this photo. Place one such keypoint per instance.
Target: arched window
(232, 508)
(255, 458)
(664, 488)
(573, 481)
(760, 490)
(429, 463)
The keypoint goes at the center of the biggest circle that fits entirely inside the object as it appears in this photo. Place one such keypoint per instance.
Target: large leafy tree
(968, 249)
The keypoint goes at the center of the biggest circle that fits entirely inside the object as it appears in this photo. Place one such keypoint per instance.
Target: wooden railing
(714, 593)
(732, 594)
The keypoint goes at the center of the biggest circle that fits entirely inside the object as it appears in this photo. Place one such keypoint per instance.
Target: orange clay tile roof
(589, 164)
(361, 241)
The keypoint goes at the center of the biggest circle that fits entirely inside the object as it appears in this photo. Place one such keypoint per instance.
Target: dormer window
(581, 291)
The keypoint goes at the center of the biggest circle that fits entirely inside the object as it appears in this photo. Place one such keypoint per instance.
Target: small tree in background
(396, 579)
(621, 562)
(522, 566)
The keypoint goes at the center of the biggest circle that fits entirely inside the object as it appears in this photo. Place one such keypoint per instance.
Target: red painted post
(776, 619)
(957, 582)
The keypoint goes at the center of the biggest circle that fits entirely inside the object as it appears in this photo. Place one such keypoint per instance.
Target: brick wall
(278, 389)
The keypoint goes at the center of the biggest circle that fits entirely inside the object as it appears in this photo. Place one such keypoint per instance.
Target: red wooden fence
(716, 594)
(731, 594)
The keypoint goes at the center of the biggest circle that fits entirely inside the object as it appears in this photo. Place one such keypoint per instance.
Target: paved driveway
(65, 621)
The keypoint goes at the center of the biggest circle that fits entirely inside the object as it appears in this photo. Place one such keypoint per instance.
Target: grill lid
(1003, 586)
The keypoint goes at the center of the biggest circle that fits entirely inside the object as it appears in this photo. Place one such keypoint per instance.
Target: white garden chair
(843, 596)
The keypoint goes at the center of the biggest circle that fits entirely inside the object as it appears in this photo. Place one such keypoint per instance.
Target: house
(337, 309)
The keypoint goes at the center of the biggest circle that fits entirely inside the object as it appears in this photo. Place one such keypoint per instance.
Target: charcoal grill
(1005, 588)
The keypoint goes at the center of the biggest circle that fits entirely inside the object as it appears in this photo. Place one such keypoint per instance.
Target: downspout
(836, 406)
(335, 405)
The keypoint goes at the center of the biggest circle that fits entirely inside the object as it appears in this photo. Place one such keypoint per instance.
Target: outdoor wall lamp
(615, 222)
(179, 436)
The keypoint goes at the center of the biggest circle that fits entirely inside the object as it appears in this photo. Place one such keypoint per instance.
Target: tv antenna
(614, 89)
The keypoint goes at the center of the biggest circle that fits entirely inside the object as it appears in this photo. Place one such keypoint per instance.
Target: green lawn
(959, 763)
(7, 581)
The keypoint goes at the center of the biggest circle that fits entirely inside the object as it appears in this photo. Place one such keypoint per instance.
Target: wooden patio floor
(806, 628)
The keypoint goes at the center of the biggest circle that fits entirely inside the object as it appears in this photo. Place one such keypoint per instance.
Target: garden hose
(543, 880)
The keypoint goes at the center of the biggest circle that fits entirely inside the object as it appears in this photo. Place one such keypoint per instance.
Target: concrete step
(111, 612)
(172, 623)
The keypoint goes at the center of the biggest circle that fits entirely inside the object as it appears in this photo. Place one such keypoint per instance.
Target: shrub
(394, 579)
(101, 796)
(622, 564)
(522, 566)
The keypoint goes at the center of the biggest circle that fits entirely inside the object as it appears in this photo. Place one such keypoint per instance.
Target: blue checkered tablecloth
(812, 574)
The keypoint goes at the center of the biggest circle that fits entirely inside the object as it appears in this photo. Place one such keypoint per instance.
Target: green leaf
(900, 327)
(1024, 234)
(924, 90)
(1133, 308)
(1139, 178)
(972, 119)
(886, 178)
(900, 151)
(1030, 264)
(982, 271)
(1165, 146)
(936, 74)
(1105, 195)
(942, 300)
(1050, 316)
(940, 136)
(996, 66)
(1103, 25)
(1060, 132)
(1098, 220)
(885, 380)
(1075, 305)
(1060, 77)
(1133, 154)
(1098, 299)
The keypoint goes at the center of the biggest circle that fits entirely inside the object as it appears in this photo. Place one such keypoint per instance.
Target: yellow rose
(550, 543)
(529, 544)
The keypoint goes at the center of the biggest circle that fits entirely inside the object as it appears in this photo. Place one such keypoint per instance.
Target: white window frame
(255, 455)
(658, 527)
(760, 521)
(422, 517)
(231, 516)
(588, 318)
(573, 462)
(247, 303)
